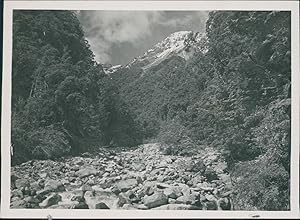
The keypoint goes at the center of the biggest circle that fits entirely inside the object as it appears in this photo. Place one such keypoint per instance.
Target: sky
(116, 37)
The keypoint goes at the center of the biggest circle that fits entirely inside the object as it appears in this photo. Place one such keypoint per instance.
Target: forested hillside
(232, 94)
(62, 102)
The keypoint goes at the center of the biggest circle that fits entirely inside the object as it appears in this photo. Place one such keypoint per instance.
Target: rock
(86, 187)
(123, 199)
(141, 206)
(35, 186)
(177, 207)
(86, 172)
(210, 197)
(205, 186)
(186, 199)
(101, 205)
(26, 190)
(17, 193)
(128, 207)
(43, 175)
(53, 199)
(81, 205)
(78, 198)
(199, 167)
(221, 167)
(31, 199)
(162, 185)
(225, 194)
(210, 174)
(225, 178)
(132, 197)
(93, 198)
(18, 204)
(157, 199)
(63, 206)
(54, 186)
(125, 185)
(21, 183)
(172, 192)
(211, 205)
(185, 189)
(224, 204)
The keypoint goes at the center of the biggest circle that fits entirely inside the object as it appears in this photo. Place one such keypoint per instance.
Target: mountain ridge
(181, 43)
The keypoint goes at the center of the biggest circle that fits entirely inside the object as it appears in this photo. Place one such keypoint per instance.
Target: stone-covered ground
(142, 178)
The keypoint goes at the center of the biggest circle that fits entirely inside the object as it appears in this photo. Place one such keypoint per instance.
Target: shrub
(49, 143)
(262, 185)
(175, 140)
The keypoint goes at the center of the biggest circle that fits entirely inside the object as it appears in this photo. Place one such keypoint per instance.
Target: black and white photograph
(149, 110)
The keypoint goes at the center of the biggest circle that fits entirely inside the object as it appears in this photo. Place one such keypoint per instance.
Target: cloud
(103, 29)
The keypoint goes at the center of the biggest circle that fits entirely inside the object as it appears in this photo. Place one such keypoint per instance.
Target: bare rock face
(155, 200)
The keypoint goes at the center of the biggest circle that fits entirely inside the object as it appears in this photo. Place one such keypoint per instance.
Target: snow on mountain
(109, 69)
(182, 43)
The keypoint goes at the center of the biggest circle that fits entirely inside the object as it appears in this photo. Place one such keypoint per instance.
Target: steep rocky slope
(141, 178)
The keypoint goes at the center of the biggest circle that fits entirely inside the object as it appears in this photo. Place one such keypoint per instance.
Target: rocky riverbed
(141, 178)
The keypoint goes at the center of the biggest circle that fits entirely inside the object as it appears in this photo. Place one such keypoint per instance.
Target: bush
(175, 140)
(49, 143)
(262, 185)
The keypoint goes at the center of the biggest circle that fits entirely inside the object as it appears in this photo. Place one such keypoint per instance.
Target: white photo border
(9, 6)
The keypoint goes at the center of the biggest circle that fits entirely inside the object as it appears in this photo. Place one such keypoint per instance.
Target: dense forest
(235, 96)
(62, 102)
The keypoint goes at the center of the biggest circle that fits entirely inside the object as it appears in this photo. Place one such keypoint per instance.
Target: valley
(200, 120)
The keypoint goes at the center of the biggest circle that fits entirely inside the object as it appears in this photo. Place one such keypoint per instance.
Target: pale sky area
(117, 37)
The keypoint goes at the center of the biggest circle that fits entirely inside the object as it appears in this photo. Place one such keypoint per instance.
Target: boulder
(211, 205)
(210, 197)
(199, 167)
(224, 204)
(17, 193)
(21, 183)
(157, 199)
(54, 186)
(123, 199)
(53, 199)
(125, 185)
(172, 192)
(86, 172)
(93, 198)
(81, 205)
(101, 205)
(186, 199)
(210, 174)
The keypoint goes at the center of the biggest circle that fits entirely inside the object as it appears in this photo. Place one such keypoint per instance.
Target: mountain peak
(181, 43)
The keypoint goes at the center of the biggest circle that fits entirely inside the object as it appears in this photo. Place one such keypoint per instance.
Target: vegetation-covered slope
(235, 96)
(62, 102)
